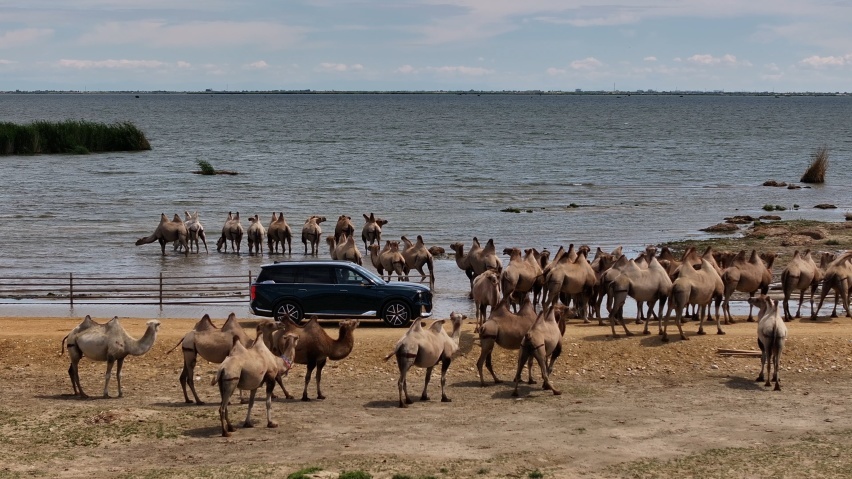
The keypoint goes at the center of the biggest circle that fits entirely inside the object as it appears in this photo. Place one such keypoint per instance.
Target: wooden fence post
(71, 289)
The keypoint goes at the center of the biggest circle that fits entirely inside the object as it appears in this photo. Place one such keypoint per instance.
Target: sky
(624, 45)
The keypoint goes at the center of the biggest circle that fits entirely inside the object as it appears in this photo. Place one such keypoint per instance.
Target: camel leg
(320, 365)
(801, 300)
(425, 395)
(281, 383)
(762, 360)
(270, 386)
(750, 308)
(486, 346)
(541, 358)
(445, 364)
(555, 355)
(678, 320)
(312, 363)
(530, 379)
(163, 245)
(523, 358)
(187, 378)
(226, 389)
(404, 365)
(248, 422)
(119, 364)
(110, 363)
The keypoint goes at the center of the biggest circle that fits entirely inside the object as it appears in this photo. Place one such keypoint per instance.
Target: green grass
(206, 168)
(535, 474)
(354, 475)
(303, 473)
(71, 136)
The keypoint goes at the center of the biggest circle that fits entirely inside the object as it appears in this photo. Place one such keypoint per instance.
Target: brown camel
(600, 265)
(748, 276)
(463, 262)
(416, 257)
(279, 232)
(838, 277)
(801, 273)
(425, 348)
(486, 292)
(771, 336)
(168, 232)
(695, 287)
(478, 259)
(542, 342)
(247, 369)
(195, 230)
(647, 285)
(105, 342)
(316, 347)
(255, 235)
(344, 250)
(372, 230)
(311, 232)
(343, 227)
(574, 279)
(505, 329)
(388, 259)
(232, 231)
(520, 275)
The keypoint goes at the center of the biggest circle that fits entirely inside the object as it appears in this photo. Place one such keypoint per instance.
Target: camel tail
(216, 378)
(176, 345)
(62, 351)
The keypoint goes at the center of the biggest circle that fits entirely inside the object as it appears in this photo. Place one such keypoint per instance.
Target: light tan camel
(316, 347)
(695, 287)
(838, 277)
(478, 259)
(209, 342)
(105, 342)
(574, 279)
(505, 329)
(232, 231)
(601, 265)
(748, 276)
(279, 232)
(344, 250)
(343, 227)
(425, 348)
(542, 342)
(195, 230)
(168, 232)
(801, 273)
(486, 292)
(372, 230)
(416, 257)
(312, 232)
(771, 336)
(520, 275)
(603, 283)
(255, 235)
(463, 262)
(247, 369)
(647, 285)
(388, 259)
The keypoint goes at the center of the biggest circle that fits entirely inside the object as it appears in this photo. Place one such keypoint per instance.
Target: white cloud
(340, 67)
(650, 59)
(816, 61)
(183, 64)
(258, 65)
(27, 36)
(589, 63)
(461, 70)
(197, 34)
(405, 69)
(556, 71)
(111, 64)
(6, 62)
(728, 60)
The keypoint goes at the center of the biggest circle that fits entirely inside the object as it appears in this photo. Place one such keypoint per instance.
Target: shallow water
(641, 169)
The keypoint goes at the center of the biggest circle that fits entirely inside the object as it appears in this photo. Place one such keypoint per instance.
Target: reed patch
(70, 137)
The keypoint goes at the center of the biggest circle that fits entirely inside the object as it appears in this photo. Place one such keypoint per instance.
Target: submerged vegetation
(819, 165)
(205, 168)
(71, 136)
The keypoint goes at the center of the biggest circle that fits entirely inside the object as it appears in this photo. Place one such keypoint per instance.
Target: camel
(543, 341)
(649, 285)
(195, 230)
(105, 342)
(388, 259)
(344, 250)
(311, 232)
(604, 281)
(316, 347)
(800, 274)
(694, 287)
(747, 276)
(505, 329)
(168, 232)
(279, 232)
(771, 336)
(838, 276)
(255, 235)
(247, 369)
(521, 274)
(478, 259)
(209, 342)
(372, 230)
(600, 265)
(343, 227)
(575, 279)
(425, 348)
(232, 231)
(416, 256)
(486, 292)
(463, 262)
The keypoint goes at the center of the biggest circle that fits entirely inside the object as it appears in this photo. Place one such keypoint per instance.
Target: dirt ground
(631, 407)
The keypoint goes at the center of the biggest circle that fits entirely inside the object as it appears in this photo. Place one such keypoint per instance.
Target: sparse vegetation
(511, 210)
(355, 475)
(303, 473)
(77, 137)
(768, 207)
(535, 474)
(206, 168)
(819, 165)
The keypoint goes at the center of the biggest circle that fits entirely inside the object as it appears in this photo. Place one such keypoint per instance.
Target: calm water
(642, 169)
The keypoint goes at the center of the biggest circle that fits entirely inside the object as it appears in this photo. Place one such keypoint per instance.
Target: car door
(355, 292)
(315, 289)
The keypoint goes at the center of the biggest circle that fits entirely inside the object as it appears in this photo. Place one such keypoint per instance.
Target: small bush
(535, 474)
(768, 207)
(354, 475)
(832, 242)
(780, 208)
(401, 476)
(819, 165)
(303, 473)
(511, 210)
(848, 216)
(206, 167)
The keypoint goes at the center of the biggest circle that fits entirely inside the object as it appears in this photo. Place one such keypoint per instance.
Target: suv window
(348, 276)
(316, 275)
(278, 275)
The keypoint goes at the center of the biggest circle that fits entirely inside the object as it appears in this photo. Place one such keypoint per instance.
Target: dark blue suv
(335, 289)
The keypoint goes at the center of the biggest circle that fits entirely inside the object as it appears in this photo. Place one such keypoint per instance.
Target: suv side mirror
(367, 282)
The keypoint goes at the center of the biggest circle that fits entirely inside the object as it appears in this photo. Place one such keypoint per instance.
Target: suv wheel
(396, 314)
(288, 308)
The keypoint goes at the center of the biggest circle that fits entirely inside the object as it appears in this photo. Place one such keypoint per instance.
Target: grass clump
(71, 136)
(206, 168)
(535, 474)
(303, 473)
(511, 210)
(768, 207)
(355, 475)
(819, 165)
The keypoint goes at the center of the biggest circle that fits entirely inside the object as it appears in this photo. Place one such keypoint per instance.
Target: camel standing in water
(279, 232)
(195, 230)
(232, 231)
(372, 230)
(256, 232)
(416, 257)
(311, 233)
(801, 273)
(343, 227)
(344, 250)
(838, 276)
(168, 232)
(748, 276)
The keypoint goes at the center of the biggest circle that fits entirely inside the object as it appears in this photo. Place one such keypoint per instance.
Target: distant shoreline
(433, 92)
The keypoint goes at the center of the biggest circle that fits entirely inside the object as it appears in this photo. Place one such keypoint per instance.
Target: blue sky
(753, 45)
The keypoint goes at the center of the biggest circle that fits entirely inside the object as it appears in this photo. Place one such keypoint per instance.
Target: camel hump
(438, 325)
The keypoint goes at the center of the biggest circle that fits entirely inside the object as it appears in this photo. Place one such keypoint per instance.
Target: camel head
(330, 241)
(769, 258)
(583, 250)
(155, 324)
(347, 326)
(436, 250)
(762, 303)
(458, 248)
(187, 216)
